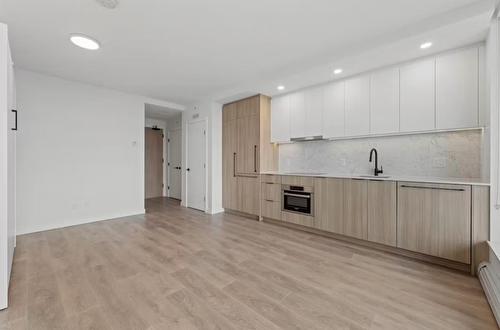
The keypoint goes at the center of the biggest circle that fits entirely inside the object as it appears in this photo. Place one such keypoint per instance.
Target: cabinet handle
(15, 120)
(433, 188)
(255, 158)
(268, 200)
(234, 164)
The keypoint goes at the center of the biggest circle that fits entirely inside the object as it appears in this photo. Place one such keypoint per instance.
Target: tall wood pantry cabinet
(246, 151)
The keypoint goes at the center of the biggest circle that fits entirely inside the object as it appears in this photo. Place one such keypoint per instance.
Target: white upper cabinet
(417, 96)
(334, 110)
(297, 115)
(280, 119)
(357, 106)
(457, 89)
(313, 99)
(384, 101)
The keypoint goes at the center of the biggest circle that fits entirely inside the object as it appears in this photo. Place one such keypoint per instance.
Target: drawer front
(297, 219)
(268, 178)
(271, 191)
(271, 209)
(307, 181)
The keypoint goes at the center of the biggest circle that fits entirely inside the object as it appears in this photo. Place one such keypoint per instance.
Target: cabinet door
(435, 220)
(280, 119)
(247, 155)
(229, 112)
(249, 195)
(230, 190)
(417, 96)
(417, 230)
(355, 208)
(313, 99)
(357, 106)
(457, 89)
(329, 204)
(382, 212)
(453, 204)
(297, 115)
(384, 101)
(334, 110)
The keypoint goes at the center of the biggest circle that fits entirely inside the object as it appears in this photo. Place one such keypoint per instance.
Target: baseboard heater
(490, 281)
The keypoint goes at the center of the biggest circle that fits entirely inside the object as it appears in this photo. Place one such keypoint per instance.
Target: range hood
(307, 138)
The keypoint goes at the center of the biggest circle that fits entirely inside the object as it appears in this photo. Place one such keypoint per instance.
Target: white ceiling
(184, 50)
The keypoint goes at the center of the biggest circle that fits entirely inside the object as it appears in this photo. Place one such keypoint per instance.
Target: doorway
(174, 162)
(196, 145)
(153, 160)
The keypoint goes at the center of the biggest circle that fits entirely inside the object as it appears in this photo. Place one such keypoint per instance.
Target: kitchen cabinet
(382, 212)
(457, 89)
(247, 150)
(435, 220)
(229, 150)
(334, 110)
(329, 205)
(355, 208)
(248, 126)
(313, 101)
(280, 119)
(384, 101)
(271, 197)
(297, 115)
(357, 106)
(417, 96)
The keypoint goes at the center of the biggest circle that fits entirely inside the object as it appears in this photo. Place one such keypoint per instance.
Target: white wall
(80, 153)
(492, 60)
(212, 112)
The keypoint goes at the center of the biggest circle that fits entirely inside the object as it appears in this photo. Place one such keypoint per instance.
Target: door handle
(15, 120)
(255, 158)
(188, 169)
(234, 164)
(432, 188)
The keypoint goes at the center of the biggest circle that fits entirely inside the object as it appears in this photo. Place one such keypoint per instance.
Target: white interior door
(195, 167)
(8, 125)
(175, 174)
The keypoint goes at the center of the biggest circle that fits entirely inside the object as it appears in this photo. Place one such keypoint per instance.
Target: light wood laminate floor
(176, 268)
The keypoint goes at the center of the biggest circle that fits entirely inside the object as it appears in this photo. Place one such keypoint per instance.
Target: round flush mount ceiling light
(84, 41)
(281, 87)
(110, 4)
(337, 71)
(426, 45)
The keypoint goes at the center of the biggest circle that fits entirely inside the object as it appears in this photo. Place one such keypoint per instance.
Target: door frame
(186, 193)
(168, 156)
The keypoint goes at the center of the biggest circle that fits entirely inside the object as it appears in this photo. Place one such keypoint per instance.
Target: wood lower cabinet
(382, 212)
(329, 205)
(435, 220)
(271, 197)
(248, 194)
(230, 198)
(355, 208)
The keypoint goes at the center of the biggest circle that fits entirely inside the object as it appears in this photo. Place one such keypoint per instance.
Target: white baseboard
(215, 211)
(63, 224)
(489, 276)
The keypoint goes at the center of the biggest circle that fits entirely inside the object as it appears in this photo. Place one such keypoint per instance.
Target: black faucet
(376, 170)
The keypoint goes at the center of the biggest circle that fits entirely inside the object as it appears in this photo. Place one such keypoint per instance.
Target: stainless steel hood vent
(307, 138)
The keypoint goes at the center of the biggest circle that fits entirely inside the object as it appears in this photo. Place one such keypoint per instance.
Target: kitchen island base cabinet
(382, 212)
(435, 219)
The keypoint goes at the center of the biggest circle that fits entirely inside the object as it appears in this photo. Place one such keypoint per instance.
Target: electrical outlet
(343, 161)
(439, 162)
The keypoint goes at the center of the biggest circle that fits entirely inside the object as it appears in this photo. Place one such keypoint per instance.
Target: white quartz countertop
(467, 181)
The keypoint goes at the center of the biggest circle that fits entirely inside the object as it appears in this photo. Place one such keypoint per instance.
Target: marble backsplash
(447, 154)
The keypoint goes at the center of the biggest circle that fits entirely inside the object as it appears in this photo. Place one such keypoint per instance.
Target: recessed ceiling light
(84, 41)
(337, 71)
(280, 87)
(426, 45)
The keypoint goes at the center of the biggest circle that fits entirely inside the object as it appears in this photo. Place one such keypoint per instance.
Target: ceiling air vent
(110, 4)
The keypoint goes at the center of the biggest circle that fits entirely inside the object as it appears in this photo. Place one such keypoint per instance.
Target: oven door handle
(297, 195)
